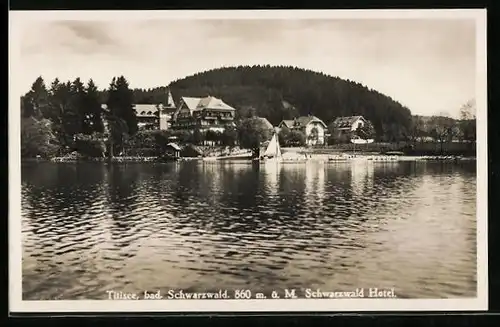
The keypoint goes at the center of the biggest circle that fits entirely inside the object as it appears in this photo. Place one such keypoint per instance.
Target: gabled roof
(343, 122)
(287, 123)
(265, 123)
(216, 103)
(304, 120)
(190, 102)
(208, 102)
(203, 103)
(301, 122)
(174, 145)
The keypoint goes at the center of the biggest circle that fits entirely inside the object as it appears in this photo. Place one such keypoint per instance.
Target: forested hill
(283, 92)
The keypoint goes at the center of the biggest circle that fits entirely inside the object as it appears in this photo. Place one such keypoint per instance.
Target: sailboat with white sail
(273, 151)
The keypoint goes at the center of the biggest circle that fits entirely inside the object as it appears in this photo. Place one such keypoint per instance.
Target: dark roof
(301, 122)
(344, 122)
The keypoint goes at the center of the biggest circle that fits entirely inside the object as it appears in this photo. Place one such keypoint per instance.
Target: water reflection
(200, 226)
(362, 177)
(271, 171)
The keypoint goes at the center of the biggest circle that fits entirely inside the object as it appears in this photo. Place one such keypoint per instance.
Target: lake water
(92, 227)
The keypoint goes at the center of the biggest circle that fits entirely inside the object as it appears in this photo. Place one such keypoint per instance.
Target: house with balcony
(313, 128)
(344, 126)
(208, 113)
(350, 123)
(147, 115)
(155, 116)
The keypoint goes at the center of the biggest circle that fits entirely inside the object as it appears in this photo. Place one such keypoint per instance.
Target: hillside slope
(283, 92)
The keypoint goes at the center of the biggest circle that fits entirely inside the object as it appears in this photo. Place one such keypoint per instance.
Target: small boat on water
(236, 155)
(394, 153)
(273, 151)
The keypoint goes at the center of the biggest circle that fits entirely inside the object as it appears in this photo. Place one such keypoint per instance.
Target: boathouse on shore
(174, 150)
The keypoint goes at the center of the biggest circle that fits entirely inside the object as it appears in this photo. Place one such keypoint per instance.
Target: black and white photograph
(275, 160)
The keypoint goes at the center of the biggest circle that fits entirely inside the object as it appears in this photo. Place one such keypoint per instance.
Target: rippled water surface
(92, 227)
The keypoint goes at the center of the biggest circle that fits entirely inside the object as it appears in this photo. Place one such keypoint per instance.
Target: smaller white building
(344, 126)
(349, 124)
(313, 128)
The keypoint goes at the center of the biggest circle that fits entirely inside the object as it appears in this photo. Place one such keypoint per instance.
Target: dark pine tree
(93, 110)
(36, 101)
(120, 103)
(57, 102)
(74, 113)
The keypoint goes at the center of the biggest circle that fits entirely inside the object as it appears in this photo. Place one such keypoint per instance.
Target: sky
(427, 65)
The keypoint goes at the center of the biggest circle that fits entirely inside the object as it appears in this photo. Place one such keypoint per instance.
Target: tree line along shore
(65, 118)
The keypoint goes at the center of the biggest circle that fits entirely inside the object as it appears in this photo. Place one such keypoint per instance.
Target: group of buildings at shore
(211, 113)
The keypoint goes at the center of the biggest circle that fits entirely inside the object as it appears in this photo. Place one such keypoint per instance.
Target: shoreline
(286, 158)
